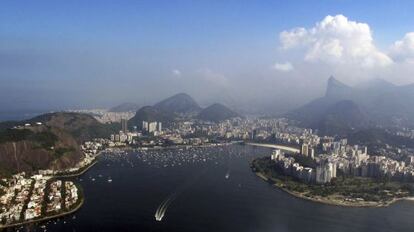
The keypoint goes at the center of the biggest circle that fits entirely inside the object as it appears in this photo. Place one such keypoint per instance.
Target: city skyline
(207, 115)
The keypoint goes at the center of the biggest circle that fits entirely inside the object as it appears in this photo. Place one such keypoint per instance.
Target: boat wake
(162, 208)
(159, 214)
(227, 176)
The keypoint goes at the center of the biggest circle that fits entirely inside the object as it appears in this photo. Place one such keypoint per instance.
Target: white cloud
(403, 50)
(283, 67)
(336, 40)
(213, 77)
(176, 72)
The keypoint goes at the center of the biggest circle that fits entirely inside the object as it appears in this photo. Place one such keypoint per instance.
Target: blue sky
(168, 21)
(100, 53)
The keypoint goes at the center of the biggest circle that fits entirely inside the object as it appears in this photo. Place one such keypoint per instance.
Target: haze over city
(250, 55)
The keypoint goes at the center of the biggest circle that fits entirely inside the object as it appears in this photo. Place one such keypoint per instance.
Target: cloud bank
(403, 50)
(347, 49)
(336, 40)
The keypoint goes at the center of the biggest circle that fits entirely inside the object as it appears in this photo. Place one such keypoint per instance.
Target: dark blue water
(204, 200)
(18, 115)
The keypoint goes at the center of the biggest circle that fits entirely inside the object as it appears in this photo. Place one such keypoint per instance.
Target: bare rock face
(29, 154)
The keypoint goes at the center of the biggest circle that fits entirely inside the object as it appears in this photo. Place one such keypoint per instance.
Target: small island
(342, 190)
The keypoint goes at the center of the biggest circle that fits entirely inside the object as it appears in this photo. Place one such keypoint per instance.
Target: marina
(182, 190)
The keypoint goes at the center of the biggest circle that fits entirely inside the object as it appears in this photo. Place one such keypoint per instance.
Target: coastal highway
(281, 147)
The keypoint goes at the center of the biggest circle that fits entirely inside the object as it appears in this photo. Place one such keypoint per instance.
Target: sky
(247, 54)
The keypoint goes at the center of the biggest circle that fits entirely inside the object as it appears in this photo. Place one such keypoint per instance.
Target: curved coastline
(69, 175)
(44, 218)
(321, 200)
(78, 173)
(82, 170)
(184, 146)
(276, 146)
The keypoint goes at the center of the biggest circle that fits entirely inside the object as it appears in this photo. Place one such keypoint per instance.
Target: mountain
(37, 148)
(382, 102)
(82, 126)
(216, 113)
(342, 118)
(151, 114)
(394, 107)
(179, 103)
(377, 137)
(166, 111)
(337, 89)
(125, 107)
(311, 113)
(378, 85)
(55, 144)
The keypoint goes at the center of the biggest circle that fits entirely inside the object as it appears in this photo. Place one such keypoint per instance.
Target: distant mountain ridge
(179, 103)
(166, 110)
(216, 113)
(375, 102)
(150, 114)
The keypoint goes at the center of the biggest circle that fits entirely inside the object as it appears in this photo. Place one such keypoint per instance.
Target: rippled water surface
(207, 189)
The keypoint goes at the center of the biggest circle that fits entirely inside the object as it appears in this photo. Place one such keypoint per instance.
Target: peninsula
(341, 190)
(36, 155)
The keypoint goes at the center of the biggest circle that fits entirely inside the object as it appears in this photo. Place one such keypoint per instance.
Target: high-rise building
(311, 153)
(144, 126)
(254, 134)
(305, 149)
(124, 125)
(325, 171)
(276, 154)
(152, 127)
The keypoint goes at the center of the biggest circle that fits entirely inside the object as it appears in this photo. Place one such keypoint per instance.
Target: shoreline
(183, 146)
(44, 218)
(275, 146)
(75, 174)
(85, 169)
(57, 176)
(325, 201)
(134, 149)
(79, 172)
(339, 201)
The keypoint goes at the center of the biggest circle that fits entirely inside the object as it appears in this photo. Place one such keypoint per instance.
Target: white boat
(159, 216)
(109, 180)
